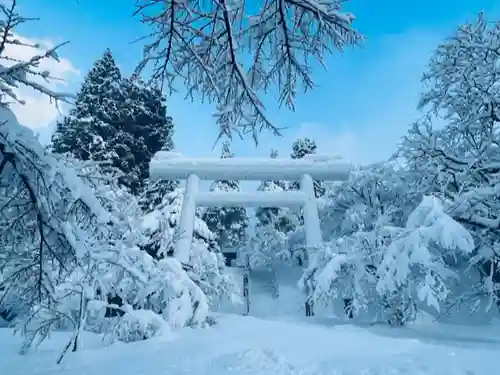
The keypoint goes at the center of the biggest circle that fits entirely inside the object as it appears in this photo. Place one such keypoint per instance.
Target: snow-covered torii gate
(173, 166)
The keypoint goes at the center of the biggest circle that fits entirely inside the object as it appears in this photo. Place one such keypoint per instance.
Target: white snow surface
(251, 346)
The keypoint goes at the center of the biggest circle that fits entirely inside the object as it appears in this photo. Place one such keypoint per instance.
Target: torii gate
(174, 166)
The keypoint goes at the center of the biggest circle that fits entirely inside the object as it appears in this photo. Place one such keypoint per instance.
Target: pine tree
(300, 148)
(118, 120)
(145, 112)
(155, 191)
(84, 131)
(229, 224)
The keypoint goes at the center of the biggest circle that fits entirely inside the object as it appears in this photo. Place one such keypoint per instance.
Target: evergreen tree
(83, 132)
(118, 120)
(155, 191)
(229, 224)
(300, 148)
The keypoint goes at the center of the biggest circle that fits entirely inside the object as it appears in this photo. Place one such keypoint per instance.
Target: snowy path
(251, 346)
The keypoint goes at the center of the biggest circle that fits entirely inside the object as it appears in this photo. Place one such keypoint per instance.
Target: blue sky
(363, 104)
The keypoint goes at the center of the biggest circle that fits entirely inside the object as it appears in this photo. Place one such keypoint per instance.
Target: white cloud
(39, 111)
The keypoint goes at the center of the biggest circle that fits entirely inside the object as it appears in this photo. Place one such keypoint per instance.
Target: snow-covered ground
(252, 346)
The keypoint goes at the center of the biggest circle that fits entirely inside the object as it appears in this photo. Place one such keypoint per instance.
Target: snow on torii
(174, 166)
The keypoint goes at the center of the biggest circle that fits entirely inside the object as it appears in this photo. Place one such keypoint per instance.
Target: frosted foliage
(302, 147)
(15, 73)
(206, 264)
(269, 244)
(119, 120)
(462, 75)
(416, 256)
(460, 160)
(372, 194)
(334, 273)
(69, 240)
(267, 248)
(231, 52)
(283, 219)
(137, 325)
(70, 257)
(44, 207)
(392, 269)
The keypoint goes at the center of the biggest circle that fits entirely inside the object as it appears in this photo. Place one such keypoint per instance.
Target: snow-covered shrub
(396, 270)
(204, 264)
(265, 248)
(70, 256)
(137, 325)
(337, 273)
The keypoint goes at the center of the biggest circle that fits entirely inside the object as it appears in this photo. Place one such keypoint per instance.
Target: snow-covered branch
(230, 52)
(14, 73)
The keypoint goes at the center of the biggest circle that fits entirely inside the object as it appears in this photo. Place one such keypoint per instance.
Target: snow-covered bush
(204, 264)
(392, 269)
(267, 247)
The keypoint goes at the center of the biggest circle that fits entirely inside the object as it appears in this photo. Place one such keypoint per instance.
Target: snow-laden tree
(228, 224)
(118, 119)
(232, 52)
(87, 130)
(461, 160)
(204, 264)
(143, 113)
(372, 195)
(68, 239)
(390, 269)
(302, 147)
(155, 191)
(17, 169)
(382, 189)
(48, 219)
(37, 197)
(71, 257)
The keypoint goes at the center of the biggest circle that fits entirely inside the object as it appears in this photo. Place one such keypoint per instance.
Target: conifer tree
(300, 148)
(118, 120)
(84, 131)
(229, 224)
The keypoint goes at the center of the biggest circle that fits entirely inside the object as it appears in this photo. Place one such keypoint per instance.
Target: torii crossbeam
(174, 166)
